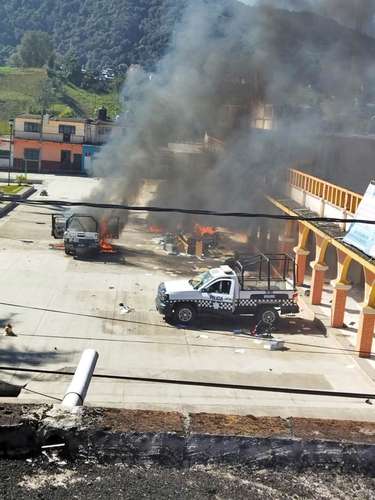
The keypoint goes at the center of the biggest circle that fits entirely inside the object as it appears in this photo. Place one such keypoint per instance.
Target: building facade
(89, 153)
(322, 248)
(44, 144)
(53, 145)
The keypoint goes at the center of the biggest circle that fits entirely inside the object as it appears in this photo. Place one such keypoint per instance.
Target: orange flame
(204, 230)
(155, 229)
(105, 245)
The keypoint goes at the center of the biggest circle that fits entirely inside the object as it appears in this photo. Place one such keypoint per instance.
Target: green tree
(47, 96)
(34, 51)
(72, 68)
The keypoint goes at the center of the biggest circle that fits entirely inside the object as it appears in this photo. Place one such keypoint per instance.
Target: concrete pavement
(60, 306)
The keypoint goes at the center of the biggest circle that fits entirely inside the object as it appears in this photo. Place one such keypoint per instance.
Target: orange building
(44, 144)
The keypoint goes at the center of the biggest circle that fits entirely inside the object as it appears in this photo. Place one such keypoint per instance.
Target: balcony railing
(213, 145)
(72, 139)
(335, 195)
(61, 138)
(20, 134)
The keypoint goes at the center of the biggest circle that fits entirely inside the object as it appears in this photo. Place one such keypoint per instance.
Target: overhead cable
(218, 385)
(191, 211)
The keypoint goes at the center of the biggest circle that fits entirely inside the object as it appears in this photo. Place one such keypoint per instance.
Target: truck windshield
(200, 280)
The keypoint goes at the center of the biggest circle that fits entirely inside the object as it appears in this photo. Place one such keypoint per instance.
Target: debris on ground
(8, 331)
(92, 480)
(124, 309)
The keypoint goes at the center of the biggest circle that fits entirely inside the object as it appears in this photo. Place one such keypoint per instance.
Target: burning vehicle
(201, 241)
(83, 235)
(261, 285)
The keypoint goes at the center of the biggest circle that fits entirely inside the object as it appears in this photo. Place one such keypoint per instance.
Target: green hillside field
(20, 90)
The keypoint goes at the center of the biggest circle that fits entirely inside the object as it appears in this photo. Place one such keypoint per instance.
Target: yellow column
(365, 333)
(319, 268)
(341, 287)
(301, 253)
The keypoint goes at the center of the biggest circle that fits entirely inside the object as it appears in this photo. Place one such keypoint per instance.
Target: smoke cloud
(355, 14)
(224, 62)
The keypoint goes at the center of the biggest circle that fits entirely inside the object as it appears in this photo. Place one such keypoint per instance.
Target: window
(67, 129)
(31, 154)
(65, 156)
(222, 286)
(31, 127)
(215, 288)
(225, 286)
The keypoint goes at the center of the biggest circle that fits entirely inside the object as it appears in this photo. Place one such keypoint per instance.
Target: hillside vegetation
(21, 88)
(117, 33)
(307, 59)
(106, 33)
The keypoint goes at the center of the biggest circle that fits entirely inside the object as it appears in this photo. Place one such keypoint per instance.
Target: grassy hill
(20, 91)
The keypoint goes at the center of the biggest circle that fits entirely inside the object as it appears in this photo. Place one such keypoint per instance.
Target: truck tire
(185, 314)
(268, 315)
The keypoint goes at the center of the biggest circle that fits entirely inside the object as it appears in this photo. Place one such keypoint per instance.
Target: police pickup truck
(259, 285)
(82, 233)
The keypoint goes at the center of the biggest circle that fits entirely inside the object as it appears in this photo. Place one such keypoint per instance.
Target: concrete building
(89, 152)
(45, 144)
(55, 145)
(5, 152)
(97, 133)
(321, 247)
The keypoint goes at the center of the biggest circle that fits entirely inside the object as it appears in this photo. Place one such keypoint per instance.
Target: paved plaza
(59, 306)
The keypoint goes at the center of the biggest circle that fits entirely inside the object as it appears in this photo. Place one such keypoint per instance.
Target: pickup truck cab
(82, 233)
(257, 285)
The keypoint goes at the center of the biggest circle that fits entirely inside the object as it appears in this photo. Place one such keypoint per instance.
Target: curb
(8, 207)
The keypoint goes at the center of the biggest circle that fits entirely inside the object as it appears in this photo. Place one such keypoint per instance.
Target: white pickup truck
(260, 285)
(82, 233)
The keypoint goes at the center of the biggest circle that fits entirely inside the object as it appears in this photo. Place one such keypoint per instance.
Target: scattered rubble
(91, 480)
(124, 309)
(8, 331)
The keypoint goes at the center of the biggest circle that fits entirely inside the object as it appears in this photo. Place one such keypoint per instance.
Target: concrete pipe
(77, 390)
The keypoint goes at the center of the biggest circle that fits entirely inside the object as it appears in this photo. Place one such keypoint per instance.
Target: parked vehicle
(259, 285)
(82, 234)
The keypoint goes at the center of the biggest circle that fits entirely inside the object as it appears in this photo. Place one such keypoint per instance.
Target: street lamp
(11, 128)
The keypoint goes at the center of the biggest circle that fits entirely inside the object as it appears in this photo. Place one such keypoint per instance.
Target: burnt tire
(268, 315)
(185, 314)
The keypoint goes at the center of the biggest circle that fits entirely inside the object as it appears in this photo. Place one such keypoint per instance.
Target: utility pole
(11, 126)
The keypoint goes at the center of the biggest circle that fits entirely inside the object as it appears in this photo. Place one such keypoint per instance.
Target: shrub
(21, 179)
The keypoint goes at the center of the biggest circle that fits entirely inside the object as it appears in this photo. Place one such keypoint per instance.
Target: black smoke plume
(226, 61)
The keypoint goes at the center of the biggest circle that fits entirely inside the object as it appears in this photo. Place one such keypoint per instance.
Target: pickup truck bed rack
(265, 271)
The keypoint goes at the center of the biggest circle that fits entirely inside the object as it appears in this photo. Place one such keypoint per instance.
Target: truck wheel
(185, 314)
(268, 315)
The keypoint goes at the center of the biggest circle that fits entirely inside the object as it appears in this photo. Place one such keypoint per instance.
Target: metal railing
(213, 145)
(36, 136)
(335, 195)
(20, 134)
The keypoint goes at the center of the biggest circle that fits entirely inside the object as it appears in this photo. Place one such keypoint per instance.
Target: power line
(174, 210)
(41, 394)
(334, 350)
(217, 385)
